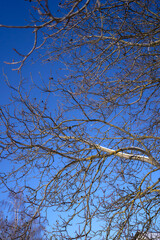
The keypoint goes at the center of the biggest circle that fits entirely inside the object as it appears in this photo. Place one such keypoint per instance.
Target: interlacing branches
(87, 146)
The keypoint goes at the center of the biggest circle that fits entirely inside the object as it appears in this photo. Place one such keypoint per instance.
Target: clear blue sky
(16, 13)
(12, 13)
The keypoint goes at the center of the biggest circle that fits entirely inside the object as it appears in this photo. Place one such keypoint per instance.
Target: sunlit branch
(120, 152)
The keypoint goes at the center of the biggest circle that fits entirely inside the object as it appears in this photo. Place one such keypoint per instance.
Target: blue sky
(16, 13)
(12, 14)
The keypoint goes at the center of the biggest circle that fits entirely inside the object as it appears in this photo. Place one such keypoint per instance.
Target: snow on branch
(120, 152)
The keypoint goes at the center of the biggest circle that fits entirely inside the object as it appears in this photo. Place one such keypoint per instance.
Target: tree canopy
(90, 138)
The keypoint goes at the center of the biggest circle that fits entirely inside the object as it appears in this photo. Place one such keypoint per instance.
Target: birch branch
(120, 152)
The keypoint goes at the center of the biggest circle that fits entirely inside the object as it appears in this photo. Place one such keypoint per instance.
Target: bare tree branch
(84, 142)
